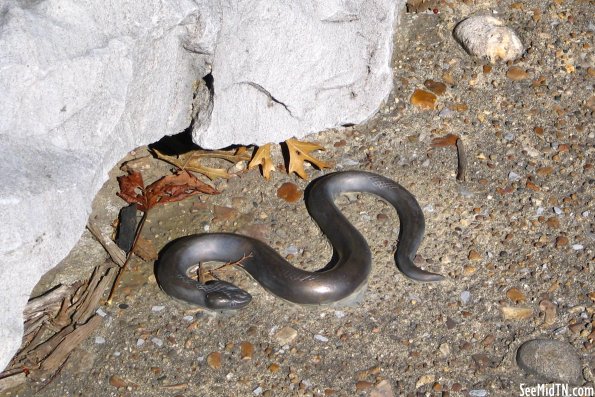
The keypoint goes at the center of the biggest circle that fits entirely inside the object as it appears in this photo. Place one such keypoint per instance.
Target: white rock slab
(81, 83)
(285, 68)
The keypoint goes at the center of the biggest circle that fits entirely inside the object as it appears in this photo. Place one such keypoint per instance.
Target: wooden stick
(117, 255)
(71, 341)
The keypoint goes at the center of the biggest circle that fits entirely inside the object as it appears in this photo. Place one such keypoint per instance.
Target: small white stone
(513, 176)
(140, 342)
(100, 340)
(100, 312)
(340, 314)
(158, 342)
(321, 338)
(487, 37)
(585, 214)
(292, 250)
(558, 210)
(157, 308)
(429, 208)
(257, 391)
(188, 318)
(577, 247)
(347, 162)
(465, 297)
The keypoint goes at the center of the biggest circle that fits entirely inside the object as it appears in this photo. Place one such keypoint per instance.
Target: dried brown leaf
(132, 189)
(191, 161)
(176, 187)
(262, 157)
(299, 152)
(168, 189)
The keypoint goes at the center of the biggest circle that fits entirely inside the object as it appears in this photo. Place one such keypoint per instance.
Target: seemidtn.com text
(555, 390)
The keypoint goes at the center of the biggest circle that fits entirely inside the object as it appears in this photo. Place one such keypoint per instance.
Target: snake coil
(333, 284)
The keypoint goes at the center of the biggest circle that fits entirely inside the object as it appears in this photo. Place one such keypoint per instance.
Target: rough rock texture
(326, 65)
(488, 37)
(83, 82)
(550, 360)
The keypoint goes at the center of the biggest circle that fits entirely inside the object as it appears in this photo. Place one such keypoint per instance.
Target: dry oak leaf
(262, 157)
(191, 160)
(168, 189)
(300, 152)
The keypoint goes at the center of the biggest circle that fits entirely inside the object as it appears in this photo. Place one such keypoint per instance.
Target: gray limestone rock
(283, 69)
(81, 84)
(550, 360)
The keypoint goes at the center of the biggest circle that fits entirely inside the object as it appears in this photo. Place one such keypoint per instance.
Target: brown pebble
(424, 380)
(382, 217)
(553, 222)
(576, 328)
(246, 350)
(488, 340)
(456, 387)
(458, 107)
(487, 69)
(538, 131)
(544, 171)
(423, 99)
(214, 360)
(224, 213)
(285, 335)
(289, 192)
(561, 241)
(274, 368)
(117, 381)
(516, 312)
(474, 255)
(363, 385)
(469, 270)
(515, 73)
(530, 185)
(448, 79)
(516, 295)
(436, 87)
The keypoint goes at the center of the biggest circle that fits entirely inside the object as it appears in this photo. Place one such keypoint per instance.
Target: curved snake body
(335, 283)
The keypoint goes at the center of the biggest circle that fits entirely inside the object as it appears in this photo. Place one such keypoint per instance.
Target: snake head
(225, 296)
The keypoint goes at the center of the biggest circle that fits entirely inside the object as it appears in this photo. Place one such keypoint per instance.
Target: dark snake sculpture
(333, 284)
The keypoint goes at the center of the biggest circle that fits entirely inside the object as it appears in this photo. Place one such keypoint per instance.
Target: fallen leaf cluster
(170, 188)
(191, 161)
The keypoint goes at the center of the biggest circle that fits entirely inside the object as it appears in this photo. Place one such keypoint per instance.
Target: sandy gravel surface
(514, 239)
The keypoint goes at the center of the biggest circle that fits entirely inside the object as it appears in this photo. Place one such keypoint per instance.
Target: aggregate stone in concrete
(550, 360)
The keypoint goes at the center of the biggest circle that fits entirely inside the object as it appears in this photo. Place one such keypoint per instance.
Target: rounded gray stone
(550, 360)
